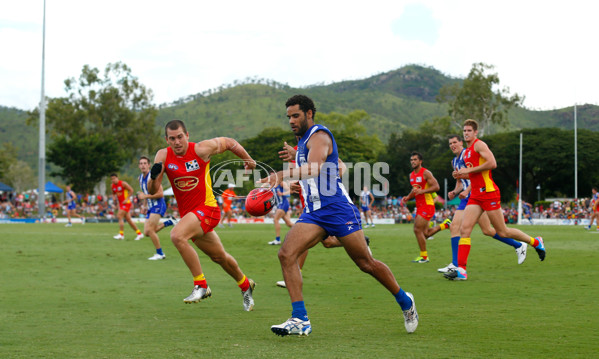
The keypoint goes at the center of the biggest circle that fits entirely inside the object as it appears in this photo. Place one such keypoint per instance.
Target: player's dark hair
(305, 104)
(174, 125)
(417, 154)
(455, 136)
(144, 158)
(113, 175)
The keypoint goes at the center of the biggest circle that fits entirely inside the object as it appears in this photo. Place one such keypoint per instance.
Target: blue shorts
(365, 209)
(463, 204)
(159, 209)
(72, 206)
(283, 206)
(337, 219)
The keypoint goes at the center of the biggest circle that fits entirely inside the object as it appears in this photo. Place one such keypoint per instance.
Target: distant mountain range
(395, 100)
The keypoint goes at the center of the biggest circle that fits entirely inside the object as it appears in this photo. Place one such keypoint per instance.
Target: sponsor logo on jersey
(201, 213)
(172, 166)
(186, 183)
(192, 166)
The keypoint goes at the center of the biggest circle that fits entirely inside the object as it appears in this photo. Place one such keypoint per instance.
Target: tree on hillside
(113, 109)
(20, 176)
(8, 155)
(477, 99)
(430, 139)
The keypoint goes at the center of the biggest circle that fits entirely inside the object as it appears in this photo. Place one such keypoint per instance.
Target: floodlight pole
(575, 155)
(520, 184)
(41, 192)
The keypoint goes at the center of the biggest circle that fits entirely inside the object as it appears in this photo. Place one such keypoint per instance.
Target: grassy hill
(395, 100)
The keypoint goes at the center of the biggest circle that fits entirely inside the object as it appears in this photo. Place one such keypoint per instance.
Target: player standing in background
(72, 206)
(595, 207)
(484, 197)
(366, 201)
(423, 185)
(187, 166)
(282, 195)
(156, 209)
(227, 197)
(328, 211)
(462, 191)
(121, 191)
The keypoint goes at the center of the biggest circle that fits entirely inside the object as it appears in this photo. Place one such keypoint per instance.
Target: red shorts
(209, 217)
(125, 206)
(427, 211)
(487, 201)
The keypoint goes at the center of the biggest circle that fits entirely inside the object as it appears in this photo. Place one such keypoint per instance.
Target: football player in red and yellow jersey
(484, 197)
(424, 185)
(187, 166)
(121, 191)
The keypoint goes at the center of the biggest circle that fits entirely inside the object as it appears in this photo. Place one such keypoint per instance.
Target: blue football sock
(278, 239)
(168, 222)
(403, 300)
(455, 242)
(299, 310)
(510, 241)
(159, 251)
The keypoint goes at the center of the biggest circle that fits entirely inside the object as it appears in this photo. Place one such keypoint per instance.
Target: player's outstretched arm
(156, 172)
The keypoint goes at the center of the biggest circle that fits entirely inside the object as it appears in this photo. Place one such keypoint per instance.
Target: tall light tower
(41, 192)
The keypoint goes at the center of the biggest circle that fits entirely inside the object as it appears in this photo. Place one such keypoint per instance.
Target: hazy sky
(546, 51)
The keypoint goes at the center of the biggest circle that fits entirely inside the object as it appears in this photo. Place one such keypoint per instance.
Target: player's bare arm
(158, 194)
(208, 148)
(320, 146)
(157, 171)
(456, 191)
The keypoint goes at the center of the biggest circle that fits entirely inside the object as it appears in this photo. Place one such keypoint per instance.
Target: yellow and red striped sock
(138, 232)
(463, 252)
(200, 280)
(244, 284)
(534, 242)
(424, 254)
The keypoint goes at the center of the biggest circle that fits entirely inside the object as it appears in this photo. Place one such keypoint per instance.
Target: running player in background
(121, 191)
(366, 201)
(595, 207)
(462, 191)
(328, 211)
(484, 197)
(228, 196)
(156, 209)
(187, 166)
(423, 185)
(282, 194)
(72, 206)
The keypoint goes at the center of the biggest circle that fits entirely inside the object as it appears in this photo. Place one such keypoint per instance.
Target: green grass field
(78, 293)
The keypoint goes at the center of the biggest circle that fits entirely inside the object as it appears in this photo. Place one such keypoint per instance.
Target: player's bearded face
(297, 120)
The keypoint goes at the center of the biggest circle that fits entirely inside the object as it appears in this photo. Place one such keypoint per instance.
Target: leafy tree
(476, 98)
(84, 161)
(8, 155)
(110, 109)
(430, 139)
(19, 176)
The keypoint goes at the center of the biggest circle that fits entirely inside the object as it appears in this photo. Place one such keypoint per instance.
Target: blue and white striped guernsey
(327, 188)
(143, 184)
(459, 163)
